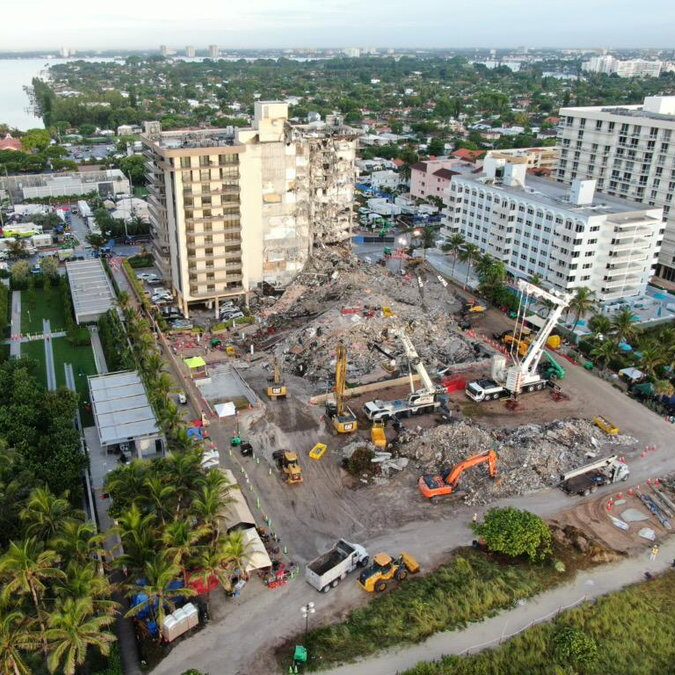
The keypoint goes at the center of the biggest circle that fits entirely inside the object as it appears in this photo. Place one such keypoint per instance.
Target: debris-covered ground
(530, 457)
(345, 300)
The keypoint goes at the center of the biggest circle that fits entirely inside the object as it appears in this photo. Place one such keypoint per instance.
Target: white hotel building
(568, 237)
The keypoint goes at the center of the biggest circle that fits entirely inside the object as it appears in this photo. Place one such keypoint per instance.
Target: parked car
(231, 316)
(182, 324)
(143, 275)
(153, 279)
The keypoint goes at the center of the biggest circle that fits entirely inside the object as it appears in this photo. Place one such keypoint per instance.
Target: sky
(145, 24)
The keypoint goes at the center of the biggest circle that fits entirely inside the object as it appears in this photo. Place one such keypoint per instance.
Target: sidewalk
(15, 345)
(478, 636)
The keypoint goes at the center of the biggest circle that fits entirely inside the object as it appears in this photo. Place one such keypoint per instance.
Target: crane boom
(416, 361)
(340, 378)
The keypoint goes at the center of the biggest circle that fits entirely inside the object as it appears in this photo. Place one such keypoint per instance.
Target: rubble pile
(530, 457)
(343, 300)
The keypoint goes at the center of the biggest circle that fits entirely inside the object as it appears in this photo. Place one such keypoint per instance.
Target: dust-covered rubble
(530, 457)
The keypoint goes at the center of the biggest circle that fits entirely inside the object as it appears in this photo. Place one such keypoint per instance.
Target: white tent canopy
(258, 557)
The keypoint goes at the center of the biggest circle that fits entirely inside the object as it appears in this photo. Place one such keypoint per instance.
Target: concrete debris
(617, 522)
(381, 457)
(343, 299)
(530, 456)
(647, 533)
(634, 516)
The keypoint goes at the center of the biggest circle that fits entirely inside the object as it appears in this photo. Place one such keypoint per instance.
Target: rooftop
(660, 108)
(193, 138)
(90, 288)
(121, 408)
(551, 193)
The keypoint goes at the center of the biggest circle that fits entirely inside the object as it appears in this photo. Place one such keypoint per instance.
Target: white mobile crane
(425, 399)
(523, 375)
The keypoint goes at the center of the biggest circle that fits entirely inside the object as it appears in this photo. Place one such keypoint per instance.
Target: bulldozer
(288, 463)
(446, 483)
(278, 389)
(384, 569)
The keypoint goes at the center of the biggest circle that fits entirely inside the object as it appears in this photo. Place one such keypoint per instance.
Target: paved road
(15, 345)
(49, 355)
(478, 636)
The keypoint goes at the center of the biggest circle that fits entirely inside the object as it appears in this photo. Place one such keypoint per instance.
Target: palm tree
(86, 582)
(159, 496)
(600, 324)
(137, 534)
(469, 254)
(212, 564)
(181, 540)
(72, 631)
(159, 572)
(26, 569)
(78, 541)
(236, 550)
(171, 418)
(652, 357)
(44, 514)
(125, 483)
(582, 303)
(454, 246)
(663, 388)
(183, 471)
(536, 279)
(623, 325)
(15, 639)
(124, 300)
(605, 352)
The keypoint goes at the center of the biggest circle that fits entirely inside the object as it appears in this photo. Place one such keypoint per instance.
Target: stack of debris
(530, 457)
(345, 300)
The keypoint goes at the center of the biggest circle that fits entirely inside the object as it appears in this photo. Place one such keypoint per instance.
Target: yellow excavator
(278, 389)
(344, 420)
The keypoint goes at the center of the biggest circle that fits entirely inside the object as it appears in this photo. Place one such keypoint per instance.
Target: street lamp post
(306, 610)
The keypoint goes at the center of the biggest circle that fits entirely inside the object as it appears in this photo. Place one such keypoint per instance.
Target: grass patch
(82, 360)
(40, 304)
(470, 588)
(633, 631)
(36, 351)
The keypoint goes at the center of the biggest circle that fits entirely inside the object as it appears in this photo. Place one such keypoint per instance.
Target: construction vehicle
(344, 420)
(329, 569)
(551, 369)
(524, 375)
(384, 568)
(606, 426)
(288, 463)
(378, 435)
(278, 389)
(587, 479)
(447, 482)
(426, 399)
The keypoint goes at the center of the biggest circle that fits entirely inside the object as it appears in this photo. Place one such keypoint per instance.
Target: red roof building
(9, 143)
(468, 155)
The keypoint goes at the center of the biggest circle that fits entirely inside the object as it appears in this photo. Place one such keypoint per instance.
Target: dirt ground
(593, 517)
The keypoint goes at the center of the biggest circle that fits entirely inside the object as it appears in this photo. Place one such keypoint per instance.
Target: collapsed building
(232, 209)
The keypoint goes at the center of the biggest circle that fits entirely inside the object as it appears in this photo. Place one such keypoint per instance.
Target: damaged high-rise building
(231, 209)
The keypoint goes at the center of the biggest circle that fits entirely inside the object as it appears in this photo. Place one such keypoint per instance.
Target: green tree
(574, 647)
(181, 540)
(583, 302)
(26, 569)
(436, 147)
(45, 514)
(159, 572)
(605, 352)
(515, 533)
(469, 254)
(36, 139)
(624, 326)
(600, 324)
(50, 268)
(73, 630)
(454, 247)
(20, 274)
(16, 638)
(134, 167)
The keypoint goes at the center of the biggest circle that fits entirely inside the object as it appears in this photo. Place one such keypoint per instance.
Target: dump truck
(384, 569)
(288, 463)
(588, 478)
(332, 567)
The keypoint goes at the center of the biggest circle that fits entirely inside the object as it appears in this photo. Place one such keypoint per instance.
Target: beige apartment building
(630, 152)
(230, 210)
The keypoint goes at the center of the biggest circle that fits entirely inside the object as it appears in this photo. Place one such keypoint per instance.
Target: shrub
(515, 533)
(573, 646)
(138, 261)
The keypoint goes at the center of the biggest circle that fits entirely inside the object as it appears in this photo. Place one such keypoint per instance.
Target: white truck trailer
(326, 571)
(588, 478)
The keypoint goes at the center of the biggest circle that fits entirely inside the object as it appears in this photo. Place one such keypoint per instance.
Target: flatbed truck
(588, 478)
(332, 567)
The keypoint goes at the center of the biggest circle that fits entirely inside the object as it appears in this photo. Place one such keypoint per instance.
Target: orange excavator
(446, 484)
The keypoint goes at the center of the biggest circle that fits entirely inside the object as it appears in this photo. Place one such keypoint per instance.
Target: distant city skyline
(263, 24)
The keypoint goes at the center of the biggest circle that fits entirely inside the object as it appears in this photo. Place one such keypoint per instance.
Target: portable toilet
(192, 614)
(170, 630)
